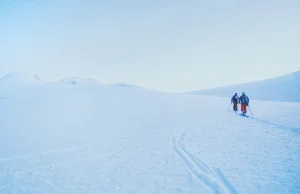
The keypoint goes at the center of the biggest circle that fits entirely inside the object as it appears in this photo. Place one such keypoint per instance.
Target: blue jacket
(244, 99)
(235, 98)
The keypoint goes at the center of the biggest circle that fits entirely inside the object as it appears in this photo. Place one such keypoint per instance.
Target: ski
(243, 115)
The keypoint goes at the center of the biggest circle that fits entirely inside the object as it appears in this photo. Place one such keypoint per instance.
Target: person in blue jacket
(235, 100)
(244, 100)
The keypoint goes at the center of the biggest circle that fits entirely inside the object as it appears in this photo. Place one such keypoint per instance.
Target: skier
(244, 100)
(235, 100)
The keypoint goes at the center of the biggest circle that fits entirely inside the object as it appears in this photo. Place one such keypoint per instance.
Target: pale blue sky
(170, 45)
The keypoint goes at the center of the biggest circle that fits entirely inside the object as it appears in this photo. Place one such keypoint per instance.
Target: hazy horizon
(119, 82)
(170, 46)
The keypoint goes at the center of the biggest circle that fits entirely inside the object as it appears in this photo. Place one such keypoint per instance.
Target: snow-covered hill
(285, 89)
(20, 78)
(61, 139)
(80, 81)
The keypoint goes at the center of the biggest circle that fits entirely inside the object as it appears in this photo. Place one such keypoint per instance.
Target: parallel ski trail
(214, 180)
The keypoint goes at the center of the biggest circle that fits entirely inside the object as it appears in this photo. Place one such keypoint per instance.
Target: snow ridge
(21, 77)
(122, 84)
(284, 89)
(76, 80)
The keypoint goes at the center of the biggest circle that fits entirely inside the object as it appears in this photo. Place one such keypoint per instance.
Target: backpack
(235, 98)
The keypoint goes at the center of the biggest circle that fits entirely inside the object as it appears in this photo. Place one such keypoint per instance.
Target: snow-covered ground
(73, 138)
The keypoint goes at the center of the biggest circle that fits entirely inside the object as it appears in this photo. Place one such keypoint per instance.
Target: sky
(169, 45)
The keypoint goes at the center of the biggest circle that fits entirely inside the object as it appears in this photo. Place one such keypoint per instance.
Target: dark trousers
(235, 108)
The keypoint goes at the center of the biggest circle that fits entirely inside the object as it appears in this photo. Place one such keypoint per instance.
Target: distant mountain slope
(76, 80)
(20, 77)
(284, 88)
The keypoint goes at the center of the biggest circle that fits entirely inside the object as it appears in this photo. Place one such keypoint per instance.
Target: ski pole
(250, 109)
(229, 106)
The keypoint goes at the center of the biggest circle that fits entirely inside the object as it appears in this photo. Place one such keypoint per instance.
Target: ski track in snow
(295, 130)
(213, 179)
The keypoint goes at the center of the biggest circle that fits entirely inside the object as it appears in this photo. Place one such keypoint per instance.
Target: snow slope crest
(284, 88)
(79, 81)
(21, 77)
(122, 84)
